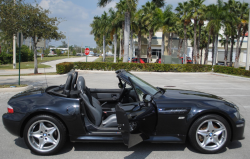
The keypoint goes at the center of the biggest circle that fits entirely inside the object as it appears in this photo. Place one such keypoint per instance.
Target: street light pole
(248, 44)
(14, 47)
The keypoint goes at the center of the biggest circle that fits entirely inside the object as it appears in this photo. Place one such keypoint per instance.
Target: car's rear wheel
(44, 134)
(210, 134)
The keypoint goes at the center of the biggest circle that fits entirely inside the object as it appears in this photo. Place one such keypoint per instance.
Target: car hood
(177, 94)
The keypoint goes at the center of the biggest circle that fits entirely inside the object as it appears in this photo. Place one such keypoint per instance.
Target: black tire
(198, 141)
(48, 121)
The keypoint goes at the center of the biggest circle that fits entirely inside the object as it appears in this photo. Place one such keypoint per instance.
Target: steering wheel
(123, 92)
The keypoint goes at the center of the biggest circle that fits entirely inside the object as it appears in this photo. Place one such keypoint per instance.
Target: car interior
(97, 104)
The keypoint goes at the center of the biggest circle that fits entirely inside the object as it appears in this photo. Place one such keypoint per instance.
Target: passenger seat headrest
(81, 85)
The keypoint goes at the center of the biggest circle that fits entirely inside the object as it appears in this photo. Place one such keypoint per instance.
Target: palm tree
(129, 8)
(185, 16)
(152, 19)
(113, 25)
(169, 22)
(217, 16)
(140, 29)
(196, 9)
(242, 15)
(232, 6)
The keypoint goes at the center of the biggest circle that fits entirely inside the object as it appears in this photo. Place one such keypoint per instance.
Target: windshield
(151, 90)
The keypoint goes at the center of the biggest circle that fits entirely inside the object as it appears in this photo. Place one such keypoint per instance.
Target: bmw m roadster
(134, 112)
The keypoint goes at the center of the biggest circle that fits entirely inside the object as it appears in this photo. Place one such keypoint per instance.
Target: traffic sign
(87, 51)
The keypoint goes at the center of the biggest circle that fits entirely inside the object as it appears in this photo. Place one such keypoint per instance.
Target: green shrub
(149, 67)
(6, 58)
(231, 70)
(26, 55)
(64, 67)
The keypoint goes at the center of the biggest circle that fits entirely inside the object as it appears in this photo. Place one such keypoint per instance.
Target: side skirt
(118, 138)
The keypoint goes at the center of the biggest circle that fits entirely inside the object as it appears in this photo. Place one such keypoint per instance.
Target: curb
(18, 89)
(226, 75)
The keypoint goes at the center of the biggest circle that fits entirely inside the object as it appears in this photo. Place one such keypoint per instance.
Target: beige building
(157, 42)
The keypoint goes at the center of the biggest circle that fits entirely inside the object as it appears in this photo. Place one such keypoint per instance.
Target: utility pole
(14, 47)
(248, 44)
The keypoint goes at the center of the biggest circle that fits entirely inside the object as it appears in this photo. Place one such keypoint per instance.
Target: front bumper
(12, 123)
(238, 131)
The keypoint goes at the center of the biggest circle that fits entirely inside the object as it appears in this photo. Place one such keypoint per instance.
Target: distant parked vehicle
(189, 60)
(158, 61)
(142, 60)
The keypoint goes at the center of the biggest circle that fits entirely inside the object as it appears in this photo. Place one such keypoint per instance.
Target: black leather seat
(94, 109)
(66, 89)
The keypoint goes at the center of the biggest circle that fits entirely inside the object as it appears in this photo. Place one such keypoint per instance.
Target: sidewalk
(50, 63)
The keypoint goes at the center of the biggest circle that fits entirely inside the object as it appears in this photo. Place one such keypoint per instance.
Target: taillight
(10, 109)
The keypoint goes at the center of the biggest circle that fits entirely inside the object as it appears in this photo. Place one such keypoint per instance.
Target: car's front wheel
(210, 134)
(44, 134)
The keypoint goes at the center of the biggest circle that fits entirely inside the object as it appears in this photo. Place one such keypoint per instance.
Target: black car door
(137, 124)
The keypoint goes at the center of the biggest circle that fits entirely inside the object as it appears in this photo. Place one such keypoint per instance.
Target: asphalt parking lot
(233, 89)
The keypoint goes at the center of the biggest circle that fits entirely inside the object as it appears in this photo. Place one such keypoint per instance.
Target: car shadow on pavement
(141, 150)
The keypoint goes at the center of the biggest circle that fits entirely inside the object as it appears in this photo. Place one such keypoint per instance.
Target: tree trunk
(198, 44)
(35, 56)
(231, 51)
(151, 32)
(207, 49)
(120, 54)
(104, 49)
(162, 45)
(226, 51)
(201, 56)
(195, 45)
(115, 45)
(139, 47)
(215, 49)
(179, 48)
(185, 45)
(236, 64)
(122, 46)
(244, 32)
(170, 45)
(131, 46)
(126, 36)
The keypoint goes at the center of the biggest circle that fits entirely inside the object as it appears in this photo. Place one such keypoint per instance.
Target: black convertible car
(135, 112)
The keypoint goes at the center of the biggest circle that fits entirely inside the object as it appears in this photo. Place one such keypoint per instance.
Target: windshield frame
(140, 83)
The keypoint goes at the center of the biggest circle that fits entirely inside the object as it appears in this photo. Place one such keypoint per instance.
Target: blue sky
(78, 14)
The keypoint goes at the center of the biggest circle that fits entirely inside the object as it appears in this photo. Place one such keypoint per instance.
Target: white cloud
(75, 21)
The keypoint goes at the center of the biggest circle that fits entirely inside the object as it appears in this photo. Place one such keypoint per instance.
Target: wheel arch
(212, 113)
(40, 113)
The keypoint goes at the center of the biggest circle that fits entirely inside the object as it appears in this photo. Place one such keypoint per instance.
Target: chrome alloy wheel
(43, 135)
(211, 135)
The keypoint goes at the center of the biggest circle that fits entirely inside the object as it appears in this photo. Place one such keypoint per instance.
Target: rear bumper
(12, 123)
(238, 133)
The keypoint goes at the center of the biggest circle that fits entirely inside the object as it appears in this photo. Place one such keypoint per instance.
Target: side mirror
(146, 99)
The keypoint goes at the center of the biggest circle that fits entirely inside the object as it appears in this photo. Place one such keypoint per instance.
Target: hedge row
(231, 70)
(149, 67)
(64, 67)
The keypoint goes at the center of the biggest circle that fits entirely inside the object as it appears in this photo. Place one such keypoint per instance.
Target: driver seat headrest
(81, 85)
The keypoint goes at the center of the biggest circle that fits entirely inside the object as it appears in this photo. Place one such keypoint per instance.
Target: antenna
(45, 77)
